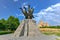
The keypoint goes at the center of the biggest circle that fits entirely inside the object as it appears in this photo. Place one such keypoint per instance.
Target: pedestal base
(27, 27)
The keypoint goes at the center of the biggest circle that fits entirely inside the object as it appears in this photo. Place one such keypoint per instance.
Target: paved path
(41, 37)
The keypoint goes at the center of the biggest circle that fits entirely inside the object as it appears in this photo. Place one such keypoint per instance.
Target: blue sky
(46, 10)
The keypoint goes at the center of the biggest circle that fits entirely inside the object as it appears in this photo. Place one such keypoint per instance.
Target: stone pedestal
(27, 28)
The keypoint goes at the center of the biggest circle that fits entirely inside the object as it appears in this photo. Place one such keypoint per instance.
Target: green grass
(51, 27)
(51, 33)
(57, 34)
(5, 32)
(57, 38)
(48, 33)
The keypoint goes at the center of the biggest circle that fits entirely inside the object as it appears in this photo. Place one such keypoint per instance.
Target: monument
(28, 27)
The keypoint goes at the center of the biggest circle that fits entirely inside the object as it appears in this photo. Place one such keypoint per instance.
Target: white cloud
(15, 0)
(19, 15)
(4, 6)
(24, 4)
(51, 13)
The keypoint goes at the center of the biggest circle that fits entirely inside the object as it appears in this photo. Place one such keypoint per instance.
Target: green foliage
(51, 27)
(2, 24)
(2, 27)
(10, 24)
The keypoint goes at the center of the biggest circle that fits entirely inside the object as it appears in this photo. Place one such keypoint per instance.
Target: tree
(12, 23)
(2, 24)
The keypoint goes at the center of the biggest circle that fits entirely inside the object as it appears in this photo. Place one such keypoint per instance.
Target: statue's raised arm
(32, 10)
(28, 12)
(24, 11)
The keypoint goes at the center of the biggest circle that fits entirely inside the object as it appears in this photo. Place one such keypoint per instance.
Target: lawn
(5, 32)
(50, 31)
(57, 38)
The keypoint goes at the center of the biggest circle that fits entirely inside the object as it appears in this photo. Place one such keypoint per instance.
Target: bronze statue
(28, 13)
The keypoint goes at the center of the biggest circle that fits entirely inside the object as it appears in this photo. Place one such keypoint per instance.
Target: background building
(42, 24)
